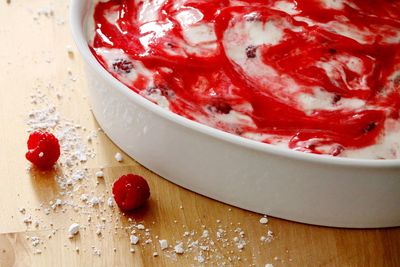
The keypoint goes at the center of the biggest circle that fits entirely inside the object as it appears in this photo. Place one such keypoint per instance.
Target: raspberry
(130, 192)
(44, 149)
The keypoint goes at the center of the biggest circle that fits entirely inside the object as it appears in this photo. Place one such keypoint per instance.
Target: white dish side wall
(279, 186)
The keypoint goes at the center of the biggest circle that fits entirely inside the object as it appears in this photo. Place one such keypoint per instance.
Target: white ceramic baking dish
(307, 188)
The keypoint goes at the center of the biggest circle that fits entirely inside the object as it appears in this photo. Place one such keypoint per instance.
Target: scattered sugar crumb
(134, 239)
(110, 202)
(100, 174)
(200, 259)
(264, 220)
(163, 244)
(70, 51)
(96, 252)
(140, 227)
(73, 229)
(179, 249)
(35, 241)
(268, 237)
(118, 157)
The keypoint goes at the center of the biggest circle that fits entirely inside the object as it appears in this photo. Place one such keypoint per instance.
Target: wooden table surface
(34, 62)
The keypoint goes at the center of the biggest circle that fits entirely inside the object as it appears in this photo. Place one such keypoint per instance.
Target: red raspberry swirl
(320, 76)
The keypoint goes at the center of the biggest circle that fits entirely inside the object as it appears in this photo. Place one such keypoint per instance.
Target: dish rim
(77, 23)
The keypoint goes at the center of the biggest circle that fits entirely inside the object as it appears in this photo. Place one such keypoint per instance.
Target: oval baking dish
(315, 189)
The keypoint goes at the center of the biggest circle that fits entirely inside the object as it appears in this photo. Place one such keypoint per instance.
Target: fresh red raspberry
(44, 149)
(130, 192)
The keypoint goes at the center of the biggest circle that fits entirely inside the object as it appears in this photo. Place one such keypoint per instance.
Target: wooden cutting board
(34, 60)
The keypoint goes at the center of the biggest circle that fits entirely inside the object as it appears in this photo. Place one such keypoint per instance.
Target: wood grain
(33, 57)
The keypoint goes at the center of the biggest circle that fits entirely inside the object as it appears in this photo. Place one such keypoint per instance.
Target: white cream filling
(287, 7)
(199, 34)
(333, 4)
(322, 100)
(188, 17)
(149, 10)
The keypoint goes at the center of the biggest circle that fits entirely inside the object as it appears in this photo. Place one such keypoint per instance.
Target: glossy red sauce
(225, 85)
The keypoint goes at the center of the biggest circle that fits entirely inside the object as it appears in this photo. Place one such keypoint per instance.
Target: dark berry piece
(130, 192)
(253, 17)
(43, 149)
(337, 150)
(251, 51)
(336, 98)
(332, 51)
(122, 65)
(396, 80)
(170, 45)
(370, 127)
(220, 107)
(163, 90)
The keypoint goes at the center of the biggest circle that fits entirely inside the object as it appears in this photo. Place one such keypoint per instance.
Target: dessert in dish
(314, 76)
